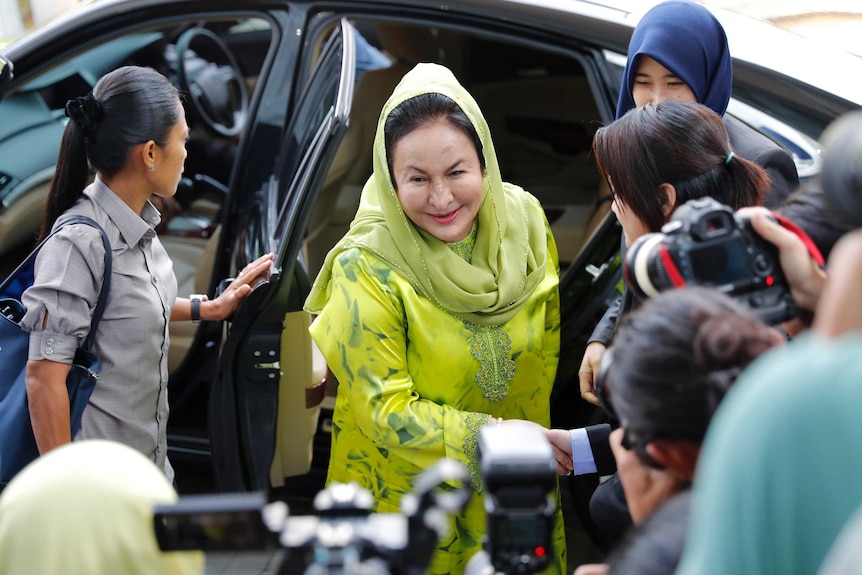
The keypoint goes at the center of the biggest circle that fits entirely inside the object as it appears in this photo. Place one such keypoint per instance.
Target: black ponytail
(129, 106)
(749, 181)
(70, 177)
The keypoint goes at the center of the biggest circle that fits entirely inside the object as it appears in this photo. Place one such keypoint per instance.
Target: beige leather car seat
(301, 391)
(20, 223)
(542, 134)
(600, 207)
(351, 167)
(193, 260)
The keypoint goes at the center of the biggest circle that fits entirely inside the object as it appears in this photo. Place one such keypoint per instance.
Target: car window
(788, 130)
(316, 121)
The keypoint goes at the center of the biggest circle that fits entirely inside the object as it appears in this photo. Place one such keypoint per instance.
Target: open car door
(270, 378)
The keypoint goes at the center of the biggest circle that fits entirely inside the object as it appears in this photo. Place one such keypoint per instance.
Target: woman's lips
(445, 218)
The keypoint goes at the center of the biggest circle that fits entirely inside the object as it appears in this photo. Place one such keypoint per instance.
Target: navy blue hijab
(685, 38)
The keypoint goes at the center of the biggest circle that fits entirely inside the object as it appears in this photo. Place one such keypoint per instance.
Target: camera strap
(813, 250)
(670, 267)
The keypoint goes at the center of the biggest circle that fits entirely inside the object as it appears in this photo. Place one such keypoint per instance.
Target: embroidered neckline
(491, 347)
(464, 248)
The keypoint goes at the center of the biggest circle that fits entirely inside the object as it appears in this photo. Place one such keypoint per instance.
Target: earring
(152, 167)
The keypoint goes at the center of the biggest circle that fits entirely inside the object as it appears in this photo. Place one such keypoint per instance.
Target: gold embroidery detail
(475, 422)
(491, 346)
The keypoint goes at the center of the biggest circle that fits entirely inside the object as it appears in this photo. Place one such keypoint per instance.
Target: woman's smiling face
(439, 180)
(655, 83)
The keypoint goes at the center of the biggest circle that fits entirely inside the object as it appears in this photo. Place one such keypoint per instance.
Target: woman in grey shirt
(132, 130)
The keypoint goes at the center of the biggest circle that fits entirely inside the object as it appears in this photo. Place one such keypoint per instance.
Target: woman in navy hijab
(687, 41)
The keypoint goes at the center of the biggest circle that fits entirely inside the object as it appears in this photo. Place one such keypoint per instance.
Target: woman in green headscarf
(439, 311)
(86, 508)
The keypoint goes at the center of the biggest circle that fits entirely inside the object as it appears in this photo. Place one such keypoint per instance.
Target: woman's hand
(225, 304)
(804, 276)
(590, 369)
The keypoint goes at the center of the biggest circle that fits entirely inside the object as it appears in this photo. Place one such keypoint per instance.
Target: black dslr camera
(705, 243)
(519, 473)
(343, 538)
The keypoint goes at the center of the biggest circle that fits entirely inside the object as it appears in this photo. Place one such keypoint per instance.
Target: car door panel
(255, 372)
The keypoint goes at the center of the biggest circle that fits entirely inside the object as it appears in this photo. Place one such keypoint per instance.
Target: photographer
(809, 210)
(656, 158)
(587, 450)
(668, 368)
(780, 470)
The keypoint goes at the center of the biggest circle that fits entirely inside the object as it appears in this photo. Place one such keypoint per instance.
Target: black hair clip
(86, 112)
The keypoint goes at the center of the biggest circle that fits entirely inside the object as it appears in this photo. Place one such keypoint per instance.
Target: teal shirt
(781, 468)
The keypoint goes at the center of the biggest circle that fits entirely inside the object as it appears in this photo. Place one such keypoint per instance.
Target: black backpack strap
(106, 281)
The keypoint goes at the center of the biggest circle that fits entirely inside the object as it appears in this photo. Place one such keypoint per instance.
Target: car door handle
(271, 365)
(596, 272)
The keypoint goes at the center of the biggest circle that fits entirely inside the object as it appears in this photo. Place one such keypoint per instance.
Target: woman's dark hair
(676, 357)
(420, 111)
(684, 144)
(808, 208)
(128, 106)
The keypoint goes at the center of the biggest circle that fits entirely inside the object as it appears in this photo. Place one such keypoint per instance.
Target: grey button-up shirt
(130, 402)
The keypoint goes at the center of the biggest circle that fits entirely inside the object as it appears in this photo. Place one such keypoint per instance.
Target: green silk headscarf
(510, 252)
(86, 508)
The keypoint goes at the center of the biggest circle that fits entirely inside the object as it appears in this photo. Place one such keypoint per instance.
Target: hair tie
(729, 157)
(86, 112)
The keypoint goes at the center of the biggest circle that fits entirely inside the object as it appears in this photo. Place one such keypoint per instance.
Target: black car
(282, 97)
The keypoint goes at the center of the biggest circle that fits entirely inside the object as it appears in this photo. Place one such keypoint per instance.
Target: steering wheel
(217, 89)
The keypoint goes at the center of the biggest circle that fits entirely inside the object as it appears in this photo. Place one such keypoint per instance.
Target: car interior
(539, 106)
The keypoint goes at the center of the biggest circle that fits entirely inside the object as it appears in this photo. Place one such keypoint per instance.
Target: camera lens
(643, 268)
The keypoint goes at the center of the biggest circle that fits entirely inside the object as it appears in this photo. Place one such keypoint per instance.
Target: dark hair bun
(726, 343)
(86, 112)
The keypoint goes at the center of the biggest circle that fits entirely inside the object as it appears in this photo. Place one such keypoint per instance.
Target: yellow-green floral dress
(417, 383)
(428, 340)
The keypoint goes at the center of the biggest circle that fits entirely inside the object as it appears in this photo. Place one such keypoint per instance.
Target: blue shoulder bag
(17, 443)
